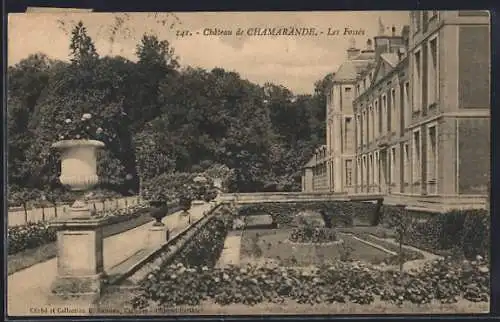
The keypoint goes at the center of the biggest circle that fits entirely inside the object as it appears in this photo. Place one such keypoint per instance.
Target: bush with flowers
(341, 282)
(29, 236)
(84, 128)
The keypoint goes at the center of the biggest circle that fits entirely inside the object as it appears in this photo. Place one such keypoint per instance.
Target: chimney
(352, 51)
(405, 34)
(369, 47)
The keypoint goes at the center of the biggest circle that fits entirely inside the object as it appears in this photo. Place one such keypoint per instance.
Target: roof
(390, 58)
(350, 69)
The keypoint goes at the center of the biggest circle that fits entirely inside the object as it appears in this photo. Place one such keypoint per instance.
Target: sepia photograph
(248, 163)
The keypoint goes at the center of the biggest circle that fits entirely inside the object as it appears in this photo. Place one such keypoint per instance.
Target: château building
(408, 117)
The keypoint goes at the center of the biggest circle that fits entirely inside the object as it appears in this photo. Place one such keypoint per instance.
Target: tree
(82, 47)
(402, 222)
(159, 119)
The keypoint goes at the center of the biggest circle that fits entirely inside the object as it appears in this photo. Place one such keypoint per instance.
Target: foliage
(310, 234)
(341, 282)
(29, 236)
(333, 213)
(160, 188)
(80, 129)
(465, 231)
(220, 172)
(158, 118)
(207, 245)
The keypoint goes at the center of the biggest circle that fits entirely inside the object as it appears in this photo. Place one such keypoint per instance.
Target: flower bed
(206, 246)
(310, 234)
(342, 282)
(29, 236)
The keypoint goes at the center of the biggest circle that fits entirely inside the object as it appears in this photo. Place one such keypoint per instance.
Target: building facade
(420, 113)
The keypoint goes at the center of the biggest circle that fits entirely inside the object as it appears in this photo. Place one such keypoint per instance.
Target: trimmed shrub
(465, 231)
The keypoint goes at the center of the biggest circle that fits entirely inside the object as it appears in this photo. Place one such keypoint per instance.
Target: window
(417, 155)
(433, 72)
(347, 133)
(368, 125)
(406, 103)
(384, 114)
(394, 109)
(370, 165)
(432, 160)
(372, 124)
(348, 173)
(377, 119)
(377, 168)
(347, 99)
(358, 171)
(406, 163)
(392, 165)
(417, 84)
(365, 128)
(365, 175)
(364, 84)
(358, 130)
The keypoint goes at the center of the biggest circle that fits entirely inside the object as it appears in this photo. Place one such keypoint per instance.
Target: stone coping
(74, 143)
(75, 223)
(335, 242)
(125, 269)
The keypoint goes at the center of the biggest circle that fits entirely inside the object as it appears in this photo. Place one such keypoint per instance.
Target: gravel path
(231, 253)
(414, 264)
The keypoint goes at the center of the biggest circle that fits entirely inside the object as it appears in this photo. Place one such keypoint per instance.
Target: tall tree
(82, 47)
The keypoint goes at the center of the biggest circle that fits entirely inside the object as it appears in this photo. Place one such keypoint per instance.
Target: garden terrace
(36, 242)
(122, 252)
(301, 262)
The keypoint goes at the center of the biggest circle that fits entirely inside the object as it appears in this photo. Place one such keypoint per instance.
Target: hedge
(461, 232)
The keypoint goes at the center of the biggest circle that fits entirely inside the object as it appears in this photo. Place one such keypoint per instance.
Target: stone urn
(79, 169)
(159, 210)
(185, 203)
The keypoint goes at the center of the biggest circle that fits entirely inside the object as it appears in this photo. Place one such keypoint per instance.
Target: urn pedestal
(158, 233)
(157, 236)
(80, 270)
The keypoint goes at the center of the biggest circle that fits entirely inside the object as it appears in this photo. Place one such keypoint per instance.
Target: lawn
(272, 244)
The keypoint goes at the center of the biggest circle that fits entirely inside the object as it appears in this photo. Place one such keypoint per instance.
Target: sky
(293, 61)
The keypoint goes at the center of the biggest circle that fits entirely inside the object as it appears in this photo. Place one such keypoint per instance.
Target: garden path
(28, 289)
(231, 253)
(414, 264)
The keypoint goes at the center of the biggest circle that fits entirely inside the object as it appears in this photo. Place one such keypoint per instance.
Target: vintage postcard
(234, 163)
